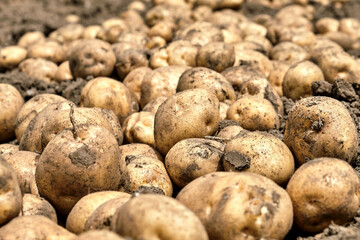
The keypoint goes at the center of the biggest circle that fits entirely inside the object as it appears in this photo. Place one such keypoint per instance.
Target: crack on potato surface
(83, 156)
(238, 160)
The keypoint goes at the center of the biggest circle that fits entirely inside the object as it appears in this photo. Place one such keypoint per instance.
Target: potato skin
(36, 205)
(239, 206)
(216, 55)
(323, 191)
(320, 127)
(191, 113)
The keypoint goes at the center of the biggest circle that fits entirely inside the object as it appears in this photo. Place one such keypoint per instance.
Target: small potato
(134, 79)
(11, 56)
(254, 113)
(139, 38)
(31, 38)
(10, 193)
(259, 153)
(114, 95)
(252, 28)
(155, 43)
(129, 60)
(11, 102)
(216, 55)
(34, 227)
(297, 80)
(99, 234)
(67, 33)
(179, 14)
(136, 149)
(182, 53)
(139, 128)
(63, 72)
(146, 174)
(83, 209)
(249, 45)
(49, 50)
(253, 58)
(320, 127)
(36, 205)
(149, 215)
(276, 76)
(201, 77)
(76, 163)
(192, 113)
(102, 216)
(111, 29)
(324, 191)
(229, 132)
(288, 52)
(154, 104)
(219, 4)
(92, 57)
(163, 29)
(238, 75)
(90, 32)
(343, 39)
(239, 206)
(192, 158)
(262, 41)
(39, 68)
(326, 24)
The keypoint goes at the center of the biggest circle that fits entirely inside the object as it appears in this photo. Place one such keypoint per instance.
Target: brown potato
(49, 50)
(192, 158)
(288, 52)
(149, 215)
(320, 127)
(155, 43)
(341, 38)
(239, 206)
(39, 68)
(83, 209)
(63, 72)
(188, 114)
(129, 60)
(230, 131)
(11, 56)
(10, 193)
(262, 41)
(163, 29)
(67, 33)
(253, 58)
(92, 57)
(324, 191)
(238, 75)
(201, 77)
(134, 79)
(224, 107)
(90, 32)
(135, 149)
(327, 24)
(276, 76)
(178, 14)
(31, 38)
(11, 102)
(83, 160)
(259, 153)
(36, 205)
(216, 55)
(218, 4)
(154, 104)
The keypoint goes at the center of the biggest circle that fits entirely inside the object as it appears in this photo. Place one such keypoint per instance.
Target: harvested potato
(218, 4)
(102, 216)
(92, 57)
(11, 102)
(34, 227)
(139, 128)
(67, 33)
(63, 72)
(297, 80)
(254, 113)
(201, 77)
(160, 82)
(230, 131)
(320, 127)
(249, 45)
(289, 52)
(49, 50)
(114, 95)
(341, 38)
(175, 13)
(224, 107)
(327, 24)
(155, 43)
(239, 206)
(148, 215)
(31, 38)
(77, 162)
(139, 38)
(129, 60)
(91, 32)
(83, 209)
(11, 56)
(134, 79)
(10, 193)
(146, 174)
(154, 104)
(253, 58)
(192, 158)
(324, 191)
(39, 68)
(262, 41)
(163, 29)
(36, 205)
(99, 234)
(31, 108)
(259, 153)
(135, 149)
(8, 149)
(216, 55)
(238, 75)
(276, 76)
(188, 114)
(111, 29)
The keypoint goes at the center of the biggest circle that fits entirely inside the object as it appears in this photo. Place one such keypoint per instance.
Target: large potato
(321, 127)
(188, 114)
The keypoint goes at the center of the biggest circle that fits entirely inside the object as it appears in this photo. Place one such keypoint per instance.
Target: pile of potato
(171, 139)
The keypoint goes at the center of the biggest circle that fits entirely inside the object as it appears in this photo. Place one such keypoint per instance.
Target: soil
(18, 17)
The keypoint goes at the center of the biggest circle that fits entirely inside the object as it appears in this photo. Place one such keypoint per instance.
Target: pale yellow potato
(90, 32)
(238, 75)
(31, 38)
(179, 14)
(8, 149)
(49, 50)
(341, 38)
(154, 104)
(134, 79)
(39, 68)
(262, 41)
(36, 205)
(216, 55)
(129, 60)
(327, 24)
(11, 56)
(251, 28)
(162, 29)
(255, 59)
(224, 107)
(67, 33)
(155, 43)
(276, 76)
(289, 52)
(63, 72)
(216, 4)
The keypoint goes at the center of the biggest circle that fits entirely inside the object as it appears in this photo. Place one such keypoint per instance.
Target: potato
(137, 37)
(297, 80)
(146, 174)
(216, 55)
(276, 76)
(320, 127)
(224, 107)
(163, 29)
(99, 234)
(154, 104)
(253, 58)
(324, 191)
(192, 158)
(343, 39)
(239, 206)
(133, 80)
(10, 104)
(288, 52)
(115, 96)
(254, 113)
(63, 72)
(11, 56)
(111, 29)
(135, 149)
(83, 209)
(160, 82)
(31, 38)
(201, 77)
(49, 50)
(34, 227)
(36, 205)
(24, 165)
(155, 43)
(31, 108)
(39, 68)
(10, 193)
(8, 149)
(102, 216)
(92, 57)
(259, 153)
(175, 13)
(77, 162)
(238, 75)
(192, 113)
(148, 216)
(67, 33)
(129, 60)
(264, 43)
(90, 32)
(230, 131)
(218, 4)
(139, 128)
